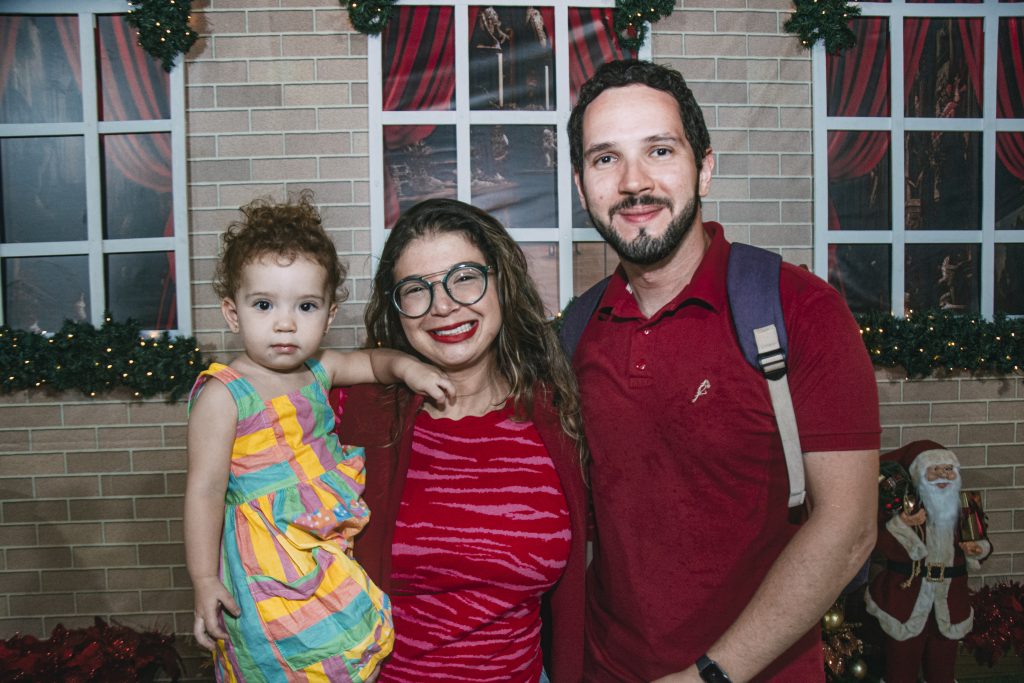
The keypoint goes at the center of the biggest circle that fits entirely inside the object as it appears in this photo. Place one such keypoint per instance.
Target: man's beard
(645, 250)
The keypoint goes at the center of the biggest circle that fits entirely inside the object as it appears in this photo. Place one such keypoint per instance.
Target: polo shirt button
(647, 331)
(641, 365)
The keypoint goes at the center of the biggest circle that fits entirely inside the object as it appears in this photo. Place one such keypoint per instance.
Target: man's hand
(210, 597)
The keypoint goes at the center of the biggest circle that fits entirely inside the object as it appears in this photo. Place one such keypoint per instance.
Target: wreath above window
(162, 27)
(826, 20)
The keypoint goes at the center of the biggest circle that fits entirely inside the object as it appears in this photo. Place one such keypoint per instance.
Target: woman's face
(452, 336)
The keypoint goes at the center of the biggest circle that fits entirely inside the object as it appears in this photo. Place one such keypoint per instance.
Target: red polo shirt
(688, 475)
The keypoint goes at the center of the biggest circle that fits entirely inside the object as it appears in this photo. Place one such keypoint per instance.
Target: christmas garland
(370, 16)
(930, 341)
(162, 27)
(827, 20)
(80, 356)
(631, 17)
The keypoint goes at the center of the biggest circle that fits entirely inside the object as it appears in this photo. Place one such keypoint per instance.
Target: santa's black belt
(930, 572)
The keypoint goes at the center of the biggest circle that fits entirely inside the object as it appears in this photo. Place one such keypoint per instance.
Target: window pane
(859, 180)
(40, 69)
(542, 262)
(41, 292)
(858, 78)
(943, 67)
(1011, 68)
(593, 43)
(943, 181)
(34, 173)
(132, 85)
(1010, 279)
(141, 287)
(137, 185)
(943, 276)
(511, 58)
(591, 261)
(860, 272)
(1010, 181)
(419, 163)
(513, 170)
(419, 59)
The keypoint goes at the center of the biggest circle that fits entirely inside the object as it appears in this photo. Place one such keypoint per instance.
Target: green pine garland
(162, 27)
(93, 361)
(632, 17)
(942, 341)
(827, 20)
(370, 16)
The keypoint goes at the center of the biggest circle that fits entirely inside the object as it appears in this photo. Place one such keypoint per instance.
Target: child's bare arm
(211, 432)
(387, 366)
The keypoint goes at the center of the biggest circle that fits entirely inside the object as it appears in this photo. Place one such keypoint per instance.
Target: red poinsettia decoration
(101, 653)
(998, 623)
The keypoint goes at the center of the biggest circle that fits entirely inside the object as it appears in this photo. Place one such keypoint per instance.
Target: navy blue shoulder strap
(578, 314)
(752, 282)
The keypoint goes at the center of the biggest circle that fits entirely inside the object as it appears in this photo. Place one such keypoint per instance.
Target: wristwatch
(710, 672)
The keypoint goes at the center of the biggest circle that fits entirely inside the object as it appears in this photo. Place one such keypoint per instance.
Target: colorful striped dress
(293, 503)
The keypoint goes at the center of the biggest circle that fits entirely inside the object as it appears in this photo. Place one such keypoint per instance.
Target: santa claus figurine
(920, 598)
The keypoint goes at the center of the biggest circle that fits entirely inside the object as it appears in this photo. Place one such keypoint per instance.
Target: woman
(478, 504)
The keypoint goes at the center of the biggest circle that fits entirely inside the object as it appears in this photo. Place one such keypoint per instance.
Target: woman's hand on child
(210, 597)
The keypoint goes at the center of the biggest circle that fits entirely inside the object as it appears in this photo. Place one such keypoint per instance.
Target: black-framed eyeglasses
(465, 284)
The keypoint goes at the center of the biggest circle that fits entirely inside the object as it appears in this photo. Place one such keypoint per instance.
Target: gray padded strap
(772, 360)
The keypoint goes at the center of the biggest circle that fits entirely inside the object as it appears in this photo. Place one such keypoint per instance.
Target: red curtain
(1010, 146)
(419, 56)
(858, 86)
(592, 42)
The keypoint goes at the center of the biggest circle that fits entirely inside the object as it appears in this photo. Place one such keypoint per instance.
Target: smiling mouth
(453, 331)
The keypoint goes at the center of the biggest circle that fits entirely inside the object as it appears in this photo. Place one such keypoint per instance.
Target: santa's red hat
(918, 456)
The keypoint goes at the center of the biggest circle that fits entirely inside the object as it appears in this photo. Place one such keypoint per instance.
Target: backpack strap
(577, 314)
(752, 282)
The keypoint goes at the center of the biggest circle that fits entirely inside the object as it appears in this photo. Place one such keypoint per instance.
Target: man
(921, 597)
(695, 558)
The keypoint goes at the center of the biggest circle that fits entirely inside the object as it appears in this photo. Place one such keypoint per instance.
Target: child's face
(282, 311)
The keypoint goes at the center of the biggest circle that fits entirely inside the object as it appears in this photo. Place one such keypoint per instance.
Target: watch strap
(710, 672)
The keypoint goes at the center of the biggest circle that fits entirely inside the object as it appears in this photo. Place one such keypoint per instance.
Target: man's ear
(706, 168)
(230, 312)
(578, 180)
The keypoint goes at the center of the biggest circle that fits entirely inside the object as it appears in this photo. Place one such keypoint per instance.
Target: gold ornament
(832, 620)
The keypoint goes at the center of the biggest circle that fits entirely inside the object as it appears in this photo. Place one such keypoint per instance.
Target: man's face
(639, 178)
(941, 475)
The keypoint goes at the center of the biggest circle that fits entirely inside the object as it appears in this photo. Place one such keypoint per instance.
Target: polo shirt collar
(707, 285)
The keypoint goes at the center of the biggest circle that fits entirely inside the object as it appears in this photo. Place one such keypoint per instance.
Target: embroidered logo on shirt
(704, 388)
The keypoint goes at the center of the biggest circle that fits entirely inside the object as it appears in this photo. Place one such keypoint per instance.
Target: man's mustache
(645, 200)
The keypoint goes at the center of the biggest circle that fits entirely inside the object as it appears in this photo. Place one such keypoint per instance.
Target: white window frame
(563, 234)
(95, 247)
(990, 11)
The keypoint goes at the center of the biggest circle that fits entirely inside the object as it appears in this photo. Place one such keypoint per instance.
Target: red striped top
(482, 533)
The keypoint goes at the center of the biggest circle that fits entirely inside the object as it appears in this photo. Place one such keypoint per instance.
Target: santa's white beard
(943, 509)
